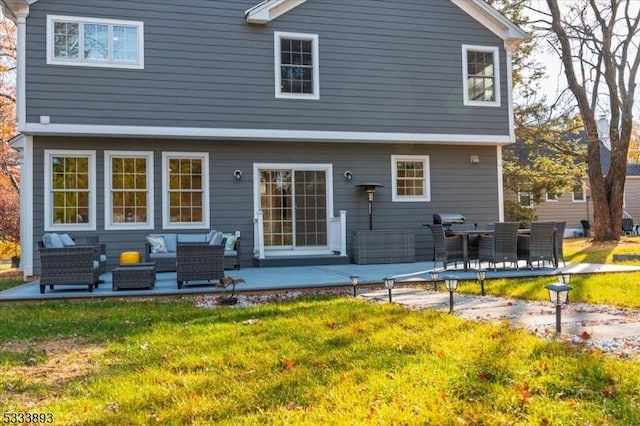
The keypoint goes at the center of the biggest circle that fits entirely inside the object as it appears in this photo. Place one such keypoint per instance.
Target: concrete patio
(276, 279)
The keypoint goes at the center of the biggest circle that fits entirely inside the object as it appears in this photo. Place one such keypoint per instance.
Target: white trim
(510, 108)
(261, 134)
(82, 62)
(48, 219)
(551, 200)
(499, 173)
(166, 224)
(277, 37)
(426, 181)
(496, 75)
(26, 207)
(326, 167)
(21, 71)
(530, 199)
(268, 10)
(108, 210)
(493, 20)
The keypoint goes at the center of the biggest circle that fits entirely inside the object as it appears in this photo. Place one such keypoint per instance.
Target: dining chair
(502, 246)
(559, 243)
(539, 245)
(446, 249)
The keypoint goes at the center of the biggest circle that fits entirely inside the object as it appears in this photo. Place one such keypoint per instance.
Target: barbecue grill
(448, 219)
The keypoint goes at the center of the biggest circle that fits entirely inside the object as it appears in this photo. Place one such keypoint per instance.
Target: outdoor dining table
(465, 240)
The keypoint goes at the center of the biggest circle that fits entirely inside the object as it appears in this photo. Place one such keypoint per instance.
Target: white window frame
(551, 197)
(584, 195)
(49, 225)
(108, 207)
(166, 217)
(426, 182)
(496, 76)
(277, 37)
(81, 62)
(520, 194)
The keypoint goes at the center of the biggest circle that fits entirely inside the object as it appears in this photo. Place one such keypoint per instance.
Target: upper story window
(70, 196)
(94, 42)
(578, 194)
(410, 178)
(481, 75)
(296, 66)
(552, 196)
(185, 190)
(129, 189)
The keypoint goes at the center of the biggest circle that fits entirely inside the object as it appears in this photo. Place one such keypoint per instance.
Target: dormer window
(296, 66)
(481, 75)
(94, 42)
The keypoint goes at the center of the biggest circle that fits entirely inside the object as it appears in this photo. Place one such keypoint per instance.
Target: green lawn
(330, 360)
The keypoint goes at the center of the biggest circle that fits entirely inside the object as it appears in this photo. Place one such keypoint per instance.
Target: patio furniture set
(500, 243)
(80, 260)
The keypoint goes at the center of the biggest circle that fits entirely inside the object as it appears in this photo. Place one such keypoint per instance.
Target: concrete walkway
(606, 327)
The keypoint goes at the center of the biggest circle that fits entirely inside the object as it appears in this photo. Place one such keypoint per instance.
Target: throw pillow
(230, 242)
(67, 240)
(217, 239)
(157, 244)
(52, 241)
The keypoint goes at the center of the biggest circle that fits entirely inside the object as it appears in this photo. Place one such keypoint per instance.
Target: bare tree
(597, 42)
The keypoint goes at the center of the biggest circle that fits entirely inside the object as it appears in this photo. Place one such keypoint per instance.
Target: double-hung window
(296, 66)
(481, 75)
(94, 42)
(578, 194)
(70, 196)
(410, 178)
(185, 187)
(129, 190)
(525, 199)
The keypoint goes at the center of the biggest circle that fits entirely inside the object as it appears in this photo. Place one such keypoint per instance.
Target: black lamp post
(451, 284)
(354, 282)
(388, 284)
(435, 277)
(559, 295)
(481, 275)
(370, 188)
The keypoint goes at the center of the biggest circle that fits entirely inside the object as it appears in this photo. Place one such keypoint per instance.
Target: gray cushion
(167, 255)
(52, 241)
(157, 244)
(192, 238)
(230, 253)
(217, 239)
(66, 240)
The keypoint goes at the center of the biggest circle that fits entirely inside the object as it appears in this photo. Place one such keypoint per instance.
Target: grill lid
(447, 218)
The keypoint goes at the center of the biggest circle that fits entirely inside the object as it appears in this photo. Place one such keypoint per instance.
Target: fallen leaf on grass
(585, 336)
(251, 321)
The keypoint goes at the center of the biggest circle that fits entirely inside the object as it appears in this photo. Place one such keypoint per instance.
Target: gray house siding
(385, 66)
(456, 185)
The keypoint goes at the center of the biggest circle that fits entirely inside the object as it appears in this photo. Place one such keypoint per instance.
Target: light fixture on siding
(348, 175)
(238, 174)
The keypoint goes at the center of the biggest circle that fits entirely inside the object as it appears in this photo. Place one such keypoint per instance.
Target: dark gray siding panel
(385, 66)
(456, 185)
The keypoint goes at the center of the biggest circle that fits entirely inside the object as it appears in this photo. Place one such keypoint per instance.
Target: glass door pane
(276, 202)
(311, 208)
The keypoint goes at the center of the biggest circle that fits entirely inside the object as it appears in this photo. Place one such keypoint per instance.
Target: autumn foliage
(9, 170)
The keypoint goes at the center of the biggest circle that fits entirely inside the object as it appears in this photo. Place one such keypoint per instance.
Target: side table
(134, 275)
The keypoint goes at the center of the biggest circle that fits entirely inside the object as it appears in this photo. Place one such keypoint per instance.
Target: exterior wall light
(435, 277)
(481, 275)
(348, 175)
(558, 295)
(238, 174)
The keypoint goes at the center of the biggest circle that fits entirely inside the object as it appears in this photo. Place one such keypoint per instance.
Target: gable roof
(494, 21)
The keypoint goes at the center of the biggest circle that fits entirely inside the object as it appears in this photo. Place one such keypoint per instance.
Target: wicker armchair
(72, 265)
(502, 246)
(199, 262)
(446, 249)
(559, 244)
(539, 246)
(101, 248)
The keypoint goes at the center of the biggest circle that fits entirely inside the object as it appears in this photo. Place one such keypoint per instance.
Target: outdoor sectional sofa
(161, 248)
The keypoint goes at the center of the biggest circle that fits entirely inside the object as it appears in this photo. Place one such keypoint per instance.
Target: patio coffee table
(134, 275)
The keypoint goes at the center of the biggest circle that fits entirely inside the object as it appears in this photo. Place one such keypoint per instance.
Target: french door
(295, 202)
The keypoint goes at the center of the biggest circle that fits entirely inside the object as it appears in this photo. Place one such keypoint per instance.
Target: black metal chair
(502, 246)
(539, 245)
(559, 243)
(627, 226)
(446, 249)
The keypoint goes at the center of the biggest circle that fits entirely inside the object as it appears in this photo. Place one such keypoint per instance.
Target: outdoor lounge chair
(627, 226)
(539, 245)
(199, 262)
(101, 248)
(72, 265)
(446, 249)
(502, 246)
